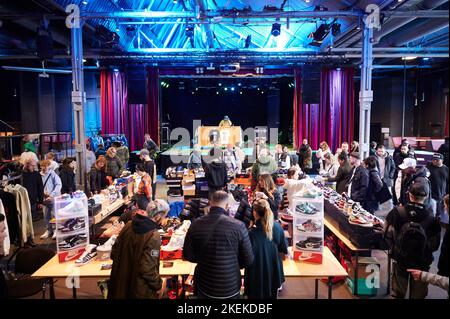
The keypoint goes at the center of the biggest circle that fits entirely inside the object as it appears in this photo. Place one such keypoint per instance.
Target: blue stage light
(226, 89)
(232, 89)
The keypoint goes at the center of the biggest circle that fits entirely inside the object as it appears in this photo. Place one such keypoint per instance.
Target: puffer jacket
(264, 164)
(359, 184)
(219, 260)
(97, 180)
(135, 255)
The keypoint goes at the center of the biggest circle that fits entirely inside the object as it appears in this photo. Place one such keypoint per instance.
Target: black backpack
(411, 247)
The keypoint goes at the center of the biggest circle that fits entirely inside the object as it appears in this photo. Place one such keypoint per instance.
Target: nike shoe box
(93, 210)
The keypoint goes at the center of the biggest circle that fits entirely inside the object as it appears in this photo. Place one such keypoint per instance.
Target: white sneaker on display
(108, 244)
(45, 235)
(182, 230)
(176, 242)
(89, 254)
(54, 235)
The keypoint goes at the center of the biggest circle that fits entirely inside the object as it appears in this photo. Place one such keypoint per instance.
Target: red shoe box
(308, 256)
(70, 255)
(169, 255)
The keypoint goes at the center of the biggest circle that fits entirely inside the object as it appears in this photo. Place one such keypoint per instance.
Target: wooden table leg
(330, 287)
(317, 289)
(52, 289)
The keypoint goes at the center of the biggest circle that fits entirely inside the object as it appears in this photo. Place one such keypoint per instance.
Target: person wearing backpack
(413, 234)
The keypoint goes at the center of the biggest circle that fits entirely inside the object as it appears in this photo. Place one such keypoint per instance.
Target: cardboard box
(169, 255)
(366, 267)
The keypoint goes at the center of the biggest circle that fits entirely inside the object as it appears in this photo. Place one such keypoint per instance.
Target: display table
(330, 225)
(328, 269)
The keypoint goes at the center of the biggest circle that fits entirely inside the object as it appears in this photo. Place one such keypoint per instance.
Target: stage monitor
(137, 85)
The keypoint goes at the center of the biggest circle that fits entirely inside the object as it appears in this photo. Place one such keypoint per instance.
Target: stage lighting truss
(248, 41)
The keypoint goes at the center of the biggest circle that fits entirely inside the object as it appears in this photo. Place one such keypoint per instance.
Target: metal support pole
(78, 100)
(404, 101)
(365, 93)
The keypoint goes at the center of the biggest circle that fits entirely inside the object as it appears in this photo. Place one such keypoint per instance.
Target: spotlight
(217, 92)
(84, 60)
(226, 89)
(276, 29)
(335, 29)
(97, 63)
(425, 59)
(262, 92)
(319, 35)
(232, 89)
(248, 41)
(193, 93)
(85, 3)
(239, 84)
(116, 70)
(196, 89)
(409, 58)
(240, 92)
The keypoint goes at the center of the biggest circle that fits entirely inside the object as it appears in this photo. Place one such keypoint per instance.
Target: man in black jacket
(439, 181)
(221, 247)
(343, 174)
(359, 179)
(414, 213)
(215, 170)
(385, 165)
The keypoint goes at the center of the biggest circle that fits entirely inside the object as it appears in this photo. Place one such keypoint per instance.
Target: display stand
(72, 226)
(307, 228)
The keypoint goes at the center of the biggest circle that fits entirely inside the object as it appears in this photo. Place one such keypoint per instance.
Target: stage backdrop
(133, 120)
(332, 120)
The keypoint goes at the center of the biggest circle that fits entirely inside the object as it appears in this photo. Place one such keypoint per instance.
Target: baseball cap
(419, 189)
(408, 162)
(438, 156)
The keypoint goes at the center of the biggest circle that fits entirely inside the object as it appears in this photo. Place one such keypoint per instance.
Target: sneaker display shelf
(355, 236)
(307, 210)
(72, 225)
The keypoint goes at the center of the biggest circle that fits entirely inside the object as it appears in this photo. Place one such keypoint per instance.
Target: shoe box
(245, 181)
(169, 255)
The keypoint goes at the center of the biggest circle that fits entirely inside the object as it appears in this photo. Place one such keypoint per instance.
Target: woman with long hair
(266, 189)
(264, 276)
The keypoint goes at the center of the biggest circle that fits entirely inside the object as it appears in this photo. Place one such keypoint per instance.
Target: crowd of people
(46, 179)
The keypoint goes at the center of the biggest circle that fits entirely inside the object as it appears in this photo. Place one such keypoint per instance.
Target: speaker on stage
(137, 84)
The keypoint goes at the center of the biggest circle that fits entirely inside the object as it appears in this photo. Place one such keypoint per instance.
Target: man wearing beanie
(135, 255)
(414, 234)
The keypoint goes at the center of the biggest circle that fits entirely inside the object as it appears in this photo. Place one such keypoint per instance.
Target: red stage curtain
(152, 114)
(298, 126)
(336, 111)
(114, 103)
(311, 124)
(137, 125)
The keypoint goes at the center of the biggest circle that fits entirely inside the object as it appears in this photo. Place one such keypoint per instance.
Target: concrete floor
(294, 288)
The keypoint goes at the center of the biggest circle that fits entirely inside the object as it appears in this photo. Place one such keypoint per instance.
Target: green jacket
(29, 147)
(135, 255)
(114, 166)
(264, 164)
(124, 155)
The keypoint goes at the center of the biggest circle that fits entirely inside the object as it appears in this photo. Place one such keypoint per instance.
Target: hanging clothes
(24, 208)
(12, 216)
(6, 242)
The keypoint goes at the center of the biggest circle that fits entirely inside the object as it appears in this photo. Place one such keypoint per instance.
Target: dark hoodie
(32, 181)
(135, 255)
(216, 174)
(417, 213)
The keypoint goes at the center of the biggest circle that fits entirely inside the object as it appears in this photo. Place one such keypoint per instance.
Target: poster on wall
(308, 228)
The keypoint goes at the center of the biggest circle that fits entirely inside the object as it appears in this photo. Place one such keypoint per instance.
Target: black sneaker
(311, 243)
